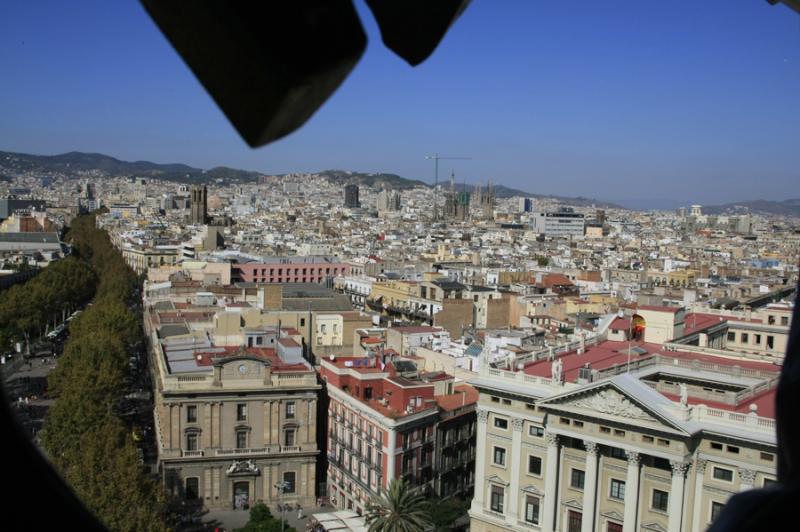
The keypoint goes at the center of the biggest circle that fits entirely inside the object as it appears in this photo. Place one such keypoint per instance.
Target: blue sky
(678, 101)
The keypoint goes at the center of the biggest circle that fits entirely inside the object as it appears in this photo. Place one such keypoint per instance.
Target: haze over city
(647, 105)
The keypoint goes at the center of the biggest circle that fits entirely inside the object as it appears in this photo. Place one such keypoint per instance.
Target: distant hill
(789, 207)
(73, 163)
(392, 181)
(76, 163)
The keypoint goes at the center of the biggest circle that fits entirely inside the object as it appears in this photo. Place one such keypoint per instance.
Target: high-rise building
(199, 204)
(525, 204)
(351, 197)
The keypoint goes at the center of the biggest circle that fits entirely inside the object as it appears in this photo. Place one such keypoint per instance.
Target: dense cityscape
(380, 266)
(309, 342)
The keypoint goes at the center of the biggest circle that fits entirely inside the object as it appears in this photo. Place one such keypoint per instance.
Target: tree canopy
(86, 440)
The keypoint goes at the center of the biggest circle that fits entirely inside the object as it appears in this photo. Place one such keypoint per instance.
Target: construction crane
(436, 158)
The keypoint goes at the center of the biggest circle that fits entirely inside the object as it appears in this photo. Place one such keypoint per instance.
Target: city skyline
(620, 111)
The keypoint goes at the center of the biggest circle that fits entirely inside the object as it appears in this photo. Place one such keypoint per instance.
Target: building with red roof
(388, 420)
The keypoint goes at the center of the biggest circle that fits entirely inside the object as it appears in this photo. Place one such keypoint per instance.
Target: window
(745, 338)
(732, 449)
(770, 342)
(532, 510)
(302, 322)
(191, 414)
(617, 489)
(758, 339)
(716, 446)
(665, 443)
(288, 437)
(289, 479)
(620, 433)
(769, 457)
(605, 430)
(534, 465)
(647, 439)
(613, 527)
(191, 441)
(322, 328)
(716, 509)
(241, 412)
(496, 503)
(501, 423)
(577, 423)
(784, 320)
(577, 478)
(618, 453)
(192, 488)
(290, 410)
(660, 500)
(506, 401)
(723, 474)
(731, 336)
(563, 420)
(769, 481)
(241, 439)
(574, 521)
(530, 406)
(499, 456)
(495, 399)
(536, 431)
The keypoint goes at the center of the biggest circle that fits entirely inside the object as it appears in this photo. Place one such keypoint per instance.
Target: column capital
(678, 468)
(748, 476)
(483, 415)
(700, 465)
(517, 423)
(591, 447)
(552, 439)
(633, 458)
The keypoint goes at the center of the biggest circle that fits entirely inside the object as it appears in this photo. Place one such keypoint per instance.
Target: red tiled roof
(464, 395)
(620, 324)
(696, 322)
(610, 353)
(555, 279)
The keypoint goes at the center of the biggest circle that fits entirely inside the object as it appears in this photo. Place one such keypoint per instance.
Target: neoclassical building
(234, 424)
(621, 436)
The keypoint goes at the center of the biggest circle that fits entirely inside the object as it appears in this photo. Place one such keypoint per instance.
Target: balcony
(192, 454)
(291, 448)
(258, 450)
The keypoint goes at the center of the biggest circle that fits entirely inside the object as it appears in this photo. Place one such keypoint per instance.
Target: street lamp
(281, 487)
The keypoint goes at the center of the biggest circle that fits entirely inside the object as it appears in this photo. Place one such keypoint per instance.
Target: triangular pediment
(494, 479)
(532, 489)
(573, 503)
(623, 400)
(616, 516)
(654, 526)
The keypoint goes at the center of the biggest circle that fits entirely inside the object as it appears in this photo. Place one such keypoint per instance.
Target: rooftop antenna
(436, 158)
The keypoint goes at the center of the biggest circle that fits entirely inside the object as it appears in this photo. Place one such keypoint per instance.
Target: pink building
(314, 269)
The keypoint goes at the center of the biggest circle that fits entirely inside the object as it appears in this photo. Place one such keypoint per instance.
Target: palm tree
(399, 509)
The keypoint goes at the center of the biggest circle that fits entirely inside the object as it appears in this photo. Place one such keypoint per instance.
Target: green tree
(444, 513)
(399, 509)
(261, 520)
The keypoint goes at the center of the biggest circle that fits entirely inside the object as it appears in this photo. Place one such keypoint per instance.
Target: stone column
(514, 468)
(747, 478)
(550, 484)
(480, 461)
(631, 492)
(699, 477)
(589, 486)
(676, 496)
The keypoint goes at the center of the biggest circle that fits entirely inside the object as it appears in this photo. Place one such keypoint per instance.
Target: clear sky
(621, 100)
